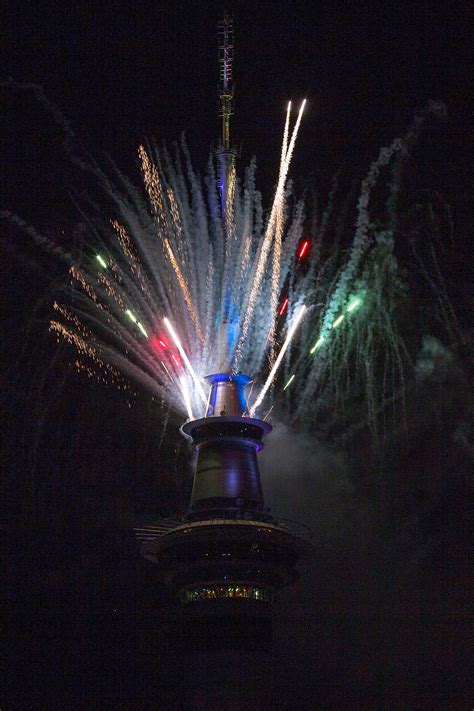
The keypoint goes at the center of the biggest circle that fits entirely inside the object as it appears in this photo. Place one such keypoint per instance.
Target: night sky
(381, 617)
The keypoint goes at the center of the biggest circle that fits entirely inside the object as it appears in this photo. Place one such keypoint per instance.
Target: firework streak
(181, 287)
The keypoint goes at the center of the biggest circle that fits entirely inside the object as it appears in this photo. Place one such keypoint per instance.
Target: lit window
(213, 592)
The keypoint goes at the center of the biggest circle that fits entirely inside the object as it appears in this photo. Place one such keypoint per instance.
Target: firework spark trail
(155, 192)
(108, 297)
(166, 288)
(279, 220)
(111, 291)
(267, 239)
(194, 208)
(78, 341)
(186, 360)
(279, 224)
(183, 252)
(184, 288)
(229, 211)
(250, 231)
(284, 145)
(180, 211)
(273, 371)
(277, 248)
(362, 238)
(276, 272)
(177, 227)
(79, 277)
(67, 315)
(186, 396)
(112, 330)
(135, 266)
(156, 269)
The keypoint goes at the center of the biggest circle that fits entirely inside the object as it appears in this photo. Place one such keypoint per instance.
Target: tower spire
(226, 152)
(226, 89)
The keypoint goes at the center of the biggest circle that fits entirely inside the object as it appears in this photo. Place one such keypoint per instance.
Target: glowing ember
(304, 249)
(283, 307)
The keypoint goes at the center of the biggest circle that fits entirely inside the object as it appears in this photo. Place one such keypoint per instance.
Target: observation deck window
(213, 592)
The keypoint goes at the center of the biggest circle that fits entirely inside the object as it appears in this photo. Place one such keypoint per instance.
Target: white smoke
(305, 480)
(434, 360)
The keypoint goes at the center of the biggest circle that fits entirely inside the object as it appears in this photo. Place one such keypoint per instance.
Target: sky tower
(227, 557)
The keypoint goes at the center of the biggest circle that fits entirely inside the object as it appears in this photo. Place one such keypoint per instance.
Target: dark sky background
(381, 617)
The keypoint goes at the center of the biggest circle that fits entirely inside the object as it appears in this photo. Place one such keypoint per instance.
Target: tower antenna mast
(225, 30)
(226, 88)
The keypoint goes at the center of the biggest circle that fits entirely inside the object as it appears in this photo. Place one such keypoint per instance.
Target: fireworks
(207, 271)
(186, 360)
(282, 352)
(225, 284)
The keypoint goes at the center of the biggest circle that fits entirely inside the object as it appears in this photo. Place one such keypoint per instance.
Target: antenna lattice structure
(225, 30)
(226, 152)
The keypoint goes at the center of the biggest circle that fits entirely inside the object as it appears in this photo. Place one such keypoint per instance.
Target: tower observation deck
(228, 556)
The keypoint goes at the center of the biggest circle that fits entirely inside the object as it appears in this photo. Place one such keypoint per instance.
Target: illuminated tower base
(227, 558)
